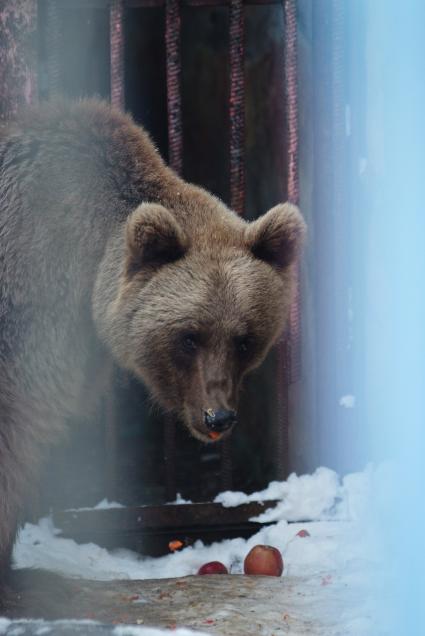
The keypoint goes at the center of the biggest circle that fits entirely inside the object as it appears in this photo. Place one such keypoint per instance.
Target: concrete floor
(230, 605)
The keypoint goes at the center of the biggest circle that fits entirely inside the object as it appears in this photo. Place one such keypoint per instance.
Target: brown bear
(106, 253)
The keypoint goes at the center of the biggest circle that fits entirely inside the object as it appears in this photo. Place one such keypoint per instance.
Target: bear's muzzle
(219, 421)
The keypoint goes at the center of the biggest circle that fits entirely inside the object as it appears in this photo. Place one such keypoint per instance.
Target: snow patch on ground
(344, 552)
(130, 630)
(18, 627)
(347, 401)
(336, 506)
(105, 504)
(179, 500)
(301, 498)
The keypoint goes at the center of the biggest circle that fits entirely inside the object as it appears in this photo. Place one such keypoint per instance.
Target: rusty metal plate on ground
(149, 529)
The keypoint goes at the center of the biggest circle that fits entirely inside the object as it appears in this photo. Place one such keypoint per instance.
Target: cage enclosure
(245, 98)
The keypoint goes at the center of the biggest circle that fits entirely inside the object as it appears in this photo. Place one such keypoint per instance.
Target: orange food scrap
(214, 435)
(175, 545)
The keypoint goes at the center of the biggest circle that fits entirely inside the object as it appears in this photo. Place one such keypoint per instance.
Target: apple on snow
(213, 567)
(265, 560)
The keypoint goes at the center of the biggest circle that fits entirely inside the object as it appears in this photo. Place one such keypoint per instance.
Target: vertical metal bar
(175, 159)
(170, 457)
(289, 350)
(237, 106)
(291, 82)
(18, 82)
(116, 20)
(237, 155)
(116, 37)
(172, 42)
(53, 42)
(282, 434)
(111, 436)
(226, 465)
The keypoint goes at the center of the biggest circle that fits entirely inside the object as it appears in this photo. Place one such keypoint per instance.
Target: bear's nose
(219, 420)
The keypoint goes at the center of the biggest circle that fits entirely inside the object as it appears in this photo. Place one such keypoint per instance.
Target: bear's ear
(277, 236)
(154, 238)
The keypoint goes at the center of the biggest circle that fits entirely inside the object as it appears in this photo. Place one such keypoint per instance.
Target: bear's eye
(189, 342)
(243, 344)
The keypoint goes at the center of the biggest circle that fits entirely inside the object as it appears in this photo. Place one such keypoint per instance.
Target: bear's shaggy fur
(104, 252)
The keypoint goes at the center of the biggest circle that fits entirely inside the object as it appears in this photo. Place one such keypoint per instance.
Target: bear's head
(201, 300)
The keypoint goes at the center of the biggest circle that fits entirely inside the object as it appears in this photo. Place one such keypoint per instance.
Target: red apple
(303, 533)
(213, 567)
(263, 559)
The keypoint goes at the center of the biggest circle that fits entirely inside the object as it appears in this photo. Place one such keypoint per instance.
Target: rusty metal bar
(226, 465)
(170, 457)
(111, 434)
(116, 43)
(172, 41)
(237, 110)
(282, 432)
(117, 53)
(149, 529)
(134, 518)
(237, 167)
(291, 83)
(53, 43)
(175, 159)
(18, 80)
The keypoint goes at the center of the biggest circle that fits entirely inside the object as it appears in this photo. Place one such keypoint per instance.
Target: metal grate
(289, 351)
(289, 355)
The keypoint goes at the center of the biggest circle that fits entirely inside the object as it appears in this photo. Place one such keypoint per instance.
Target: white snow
(332, 506)
(343, 550)
(178, 501)
(131, 630)
(304, 498)
(105, 504)
(15, 628)
(347, 401)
